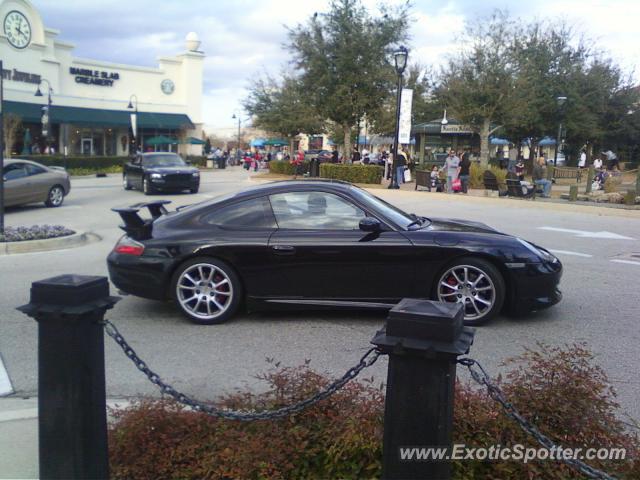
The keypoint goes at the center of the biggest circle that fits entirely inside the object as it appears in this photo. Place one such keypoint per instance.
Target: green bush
(476, 172)
(197, 160)
(558, 389)
(352, 173)
(286, 168)
(78, 172)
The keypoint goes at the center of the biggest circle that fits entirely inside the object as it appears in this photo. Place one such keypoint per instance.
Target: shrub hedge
(352, 173)
(286, 168)
(476, 171)
(93, 163)
(558, 389)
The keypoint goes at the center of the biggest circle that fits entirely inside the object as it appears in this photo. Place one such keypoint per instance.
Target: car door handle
(283, 249)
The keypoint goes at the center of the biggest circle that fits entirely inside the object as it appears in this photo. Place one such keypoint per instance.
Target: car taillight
(128, 246)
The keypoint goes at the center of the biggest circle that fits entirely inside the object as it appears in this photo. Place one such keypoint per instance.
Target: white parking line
(628, 262)
(567, 252)
(5, 383)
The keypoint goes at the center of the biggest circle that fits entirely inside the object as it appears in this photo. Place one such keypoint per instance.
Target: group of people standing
(456, 168)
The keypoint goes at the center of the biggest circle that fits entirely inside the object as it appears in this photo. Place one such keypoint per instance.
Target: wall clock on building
(167, 86)
(17, 29)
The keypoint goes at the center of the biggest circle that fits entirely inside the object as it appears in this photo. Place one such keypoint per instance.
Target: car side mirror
(370, 224)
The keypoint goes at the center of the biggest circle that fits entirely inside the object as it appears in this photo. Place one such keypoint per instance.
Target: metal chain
(367, 360)
(480, 375)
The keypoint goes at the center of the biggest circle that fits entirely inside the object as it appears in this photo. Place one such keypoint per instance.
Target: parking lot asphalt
(600, 305)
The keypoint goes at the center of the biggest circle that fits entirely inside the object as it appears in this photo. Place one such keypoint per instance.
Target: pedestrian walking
(401, 164)
(355, 156)
(583, 159)
(452, 169)
(520, 169)
(540, 177)
(597, 163)
(464, 174)
(297, 160)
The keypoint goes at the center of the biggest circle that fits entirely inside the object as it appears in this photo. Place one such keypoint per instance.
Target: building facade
(89, 112)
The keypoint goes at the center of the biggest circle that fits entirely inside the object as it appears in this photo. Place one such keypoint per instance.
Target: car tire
(206, 290)
(194, 190)
(125, 182)
(474, 282)
(55, 197)
(147, 189)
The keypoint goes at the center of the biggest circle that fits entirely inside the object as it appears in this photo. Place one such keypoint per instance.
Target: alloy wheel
(471, 286)
(56, 196)
(204, 291)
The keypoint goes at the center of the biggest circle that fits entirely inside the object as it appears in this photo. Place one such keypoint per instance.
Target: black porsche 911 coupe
(323, 244)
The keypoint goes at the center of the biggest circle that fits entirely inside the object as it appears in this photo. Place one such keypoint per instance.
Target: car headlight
(196, 174)
(542, 254)
(156, 176)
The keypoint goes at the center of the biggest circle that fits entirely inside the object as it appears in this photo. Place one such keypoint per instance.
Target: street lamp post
(400, 59)
(46, 111)
(134, 122)
(561, 101)
(238, 145)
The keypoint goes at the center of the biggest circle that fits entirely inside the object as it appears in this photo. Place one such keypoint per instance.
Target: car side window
(15, 171)
(254, 213)
(34, 169)
(315, 211)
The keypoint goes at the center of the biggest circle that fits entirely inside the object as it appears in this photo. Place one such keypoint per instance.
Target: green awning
(161, 140)
(194, 141)
(276, 142)
(30, 112)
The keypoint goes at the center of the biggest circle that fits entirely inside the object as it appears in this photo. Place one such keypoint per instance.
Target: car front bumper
(535, 286)
(175, 183)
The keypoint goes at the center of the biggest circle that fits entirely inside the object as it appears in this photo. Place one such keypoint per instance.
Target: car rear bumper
(536, 287)
(140, 276)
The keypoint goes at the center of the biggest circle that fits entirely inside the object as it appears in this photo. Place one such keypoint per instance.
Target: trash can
(222, 163)
(314, 167)
(209, 163)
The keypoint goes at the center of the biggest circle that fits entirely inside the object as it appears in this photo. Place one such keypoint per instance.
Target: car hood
(182, 169)
(457, 225)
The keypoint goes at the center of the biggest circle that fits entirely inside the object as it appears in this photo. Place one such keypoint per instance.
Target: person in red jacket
(297, 160)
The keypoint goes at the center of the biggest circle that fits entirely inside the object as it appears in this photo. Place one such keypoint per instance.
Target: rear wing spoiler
(134, 225)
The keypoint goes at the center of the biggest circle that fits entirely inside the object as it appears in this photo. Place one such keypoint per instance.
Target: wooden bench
(491, 183)
(423, 179)
(567, 172)
(515, 189)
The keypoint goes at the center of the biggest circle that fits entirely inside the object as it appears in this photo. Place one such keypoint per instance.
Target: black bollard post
(423, 340)
(72, 425)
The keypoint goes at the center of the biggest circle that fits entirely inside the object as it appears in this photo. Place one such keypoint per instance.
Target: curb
(57, 243)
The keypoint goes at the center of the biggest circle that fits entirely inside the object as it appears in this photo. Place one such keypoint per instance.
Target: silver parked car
(30, 182)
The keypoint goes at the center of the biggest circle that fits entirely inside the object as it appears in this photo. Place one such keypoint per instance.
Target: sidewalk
(19, 436)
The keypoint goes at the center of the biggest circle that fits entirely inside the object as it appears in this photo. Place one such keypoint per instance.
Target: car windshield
(397, 216)
(163, 161)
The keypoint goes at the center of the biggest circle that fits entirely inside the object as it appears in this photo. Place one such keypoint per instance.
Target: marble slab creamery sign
(94, 77)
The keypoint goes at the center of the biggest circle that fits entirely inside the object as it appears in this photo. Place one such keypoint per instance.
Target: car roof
(8, 161)
(286, 185)
(151, 154)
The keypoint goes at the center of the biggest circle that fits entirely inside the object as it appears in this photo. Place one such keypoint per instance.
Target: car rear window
(254, 213)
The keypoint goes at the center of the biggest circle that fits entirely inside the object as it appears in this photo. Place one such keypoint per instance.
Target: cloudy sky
(243, 38)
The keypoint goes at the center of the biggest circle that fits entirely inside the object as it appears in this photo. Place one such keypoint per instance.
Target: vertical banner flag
(406, 100)
(134, 125)
(45, 122)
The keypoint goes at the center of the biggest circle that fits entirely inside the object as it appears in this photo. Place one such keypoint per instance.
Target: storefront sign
(456, 129)
(406, 101)
(94, 77)
(18, 76)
